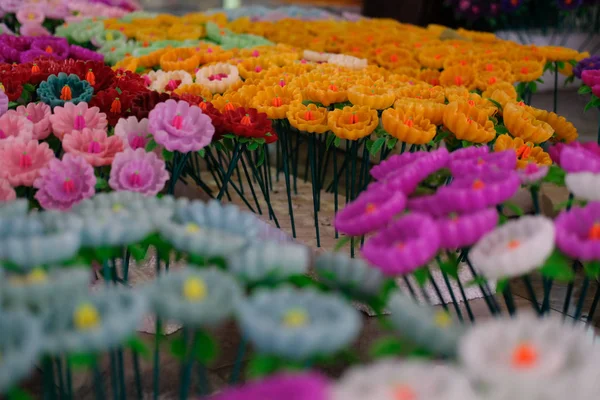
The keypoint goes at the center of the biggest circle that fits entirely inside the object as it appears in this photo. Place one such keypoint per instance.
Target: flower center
(172, 85)
(115, 106)
(489, 67)
(35, 69)
(480, 161)
(524, 152)
(94, 147)
(394, 58)
(524, 70)
(31, 16)
(458, 80)
(255, 53)
(400, 245)
(281, 83)
(492, 80)
(86, 317)
(246, 121)
(258, 69)
(177, 121)
(308, 116)
(353, 119)
(37, 275)
(478, 184)
(65, 93)
(276, 102)
(79, 122)
(442, 319)
(117, 207)
(109, 36)
(594, 232)
(513, 244)
(68, 186)
(524, 356)
(138, 142)
(25, 160)
(49, 50)
(135, 179)
(409, 122)
(404, 392)
(295, 318)
(333, 88)
(217, 77)
(370, 208)
(194, 289)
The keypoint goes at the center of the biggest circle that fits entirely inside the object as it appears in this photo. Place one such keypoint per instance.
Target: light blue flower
(50, 91)
(196, 297)
(13, 208)
(243, 41)
(424, 325)
(109, 36)
(269, 260)
(116, 51)
(35, 239)
(138, 15)
(94, 323)
(80, 32)
(297, 324)
(40, 288)
(19, 347)
(350, 274)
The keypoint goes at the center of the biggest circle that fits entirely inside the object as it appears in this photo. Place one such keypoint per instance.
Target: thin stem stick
(584, 289)
(555, 86)
(452, 296)
(509, 300)
(439, 293)
(283, 137)
(98, 383)
(226, 178)
(314, 177)
(113, 375)
(262, 186)
(532, 294)
(239, 359)
(122, 386)
(590, 318)
(410, 287)
(137, 375)
(251, 185)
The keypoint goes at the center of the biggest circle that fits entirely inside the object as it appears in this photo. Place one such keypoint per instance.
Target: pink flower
(21, 161)
(65, 183)
(138, 171)
(94, 145)
(134, 133)
(13, 125)
(33, 30)
(7, 193)
(30, 15)
(591, 77)
(39, 115)
(76, 117)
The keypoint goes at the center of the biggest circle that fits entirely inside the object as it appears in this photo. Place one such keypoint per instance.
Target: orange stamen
(90, 77)
(524, 356)
(513, 244)
(524, 70)
(409, 122)
(478, 184)
(400, 246)
(115, 106)
(333, 88)
(371, 208)
(246, 120)
(229, 107)
(594, 233)
(489, 67)
(202, 105)
(492, 80)
(524, 152)
(471, 102)
(35, 69)
(394, 58)
(276, 102)
(308, 116)
(353, 119)
(404, 392)
(49, 49)
(65, 93)
(458, 80)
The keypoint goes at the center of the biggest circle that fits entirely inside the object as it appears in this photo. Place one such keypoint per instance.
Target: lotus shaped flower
(39, 115)
(218, 77)
(94, 323)
(500, 160)
(94, 145)
(133, 132)
(71, 117)
(197, 298)
(308, 118)
(533, 173)
(297, 324)
(162, 81)
(58, 90)
(30, 15)
(177, 126)
(13, 208)
(351, 275)
(13, 125)
(459, 231)
(57, 48)
(305, 386)
(138, 171)
(21, 162)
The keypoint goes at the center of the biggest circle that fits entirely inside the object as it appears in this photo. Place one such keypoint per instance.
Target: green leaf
(560, 64)
(244, 140)
(569, 80)
(194, 259)
(205, 350)
(563, 205)
(558, 267)
(330, 140)
(501, 129)
(137, 251)
(151, 145)
(480, 280)
(167, 155)
(12, 104)
(387, 347)
(341, 242)
(178, 348)
(450, 266)
(29, 87)
(573, 62)
(229, 136)
(107, 253)
(18, 394)
(556, 175)
(261, 157)
(253, 146)
(119, 91)
(377, 145)
(421, 275)
(202, 153)
(369, 144)
(101, 183)
(501, 285)
(301, 281)
(391, 143)
(588, 106)
(495, 103)
(162, 247)
(466, 143)
(584, 89)
(337, 141)
(532, 87)
(138, 346)
(82, 360)
(514, 208)
(592, 269)
(548, 66)
(263, 365)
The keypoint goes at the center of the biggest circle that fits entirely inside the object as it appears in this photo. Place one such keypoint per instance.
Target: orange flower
(475, 100)
(454, 93)
(434, 112)
(433, 57)
(487, 65)
(127, 64)
(209, 53)
(527, 152)
(407, 127)
(469, 123)
(527, 71)
(254, 67)
(460, 60)
(226, 103)
(309, 118)
(195, 89)
(520, 122)
(392, 57)
(376, 96)
(275, 101)
(506, 88)
(563, 129)
(180, 59)
(326, 92)
(431, 76)
(458, 76)
(152, 59)
(558, 53)
(433, 93)
(352, 123)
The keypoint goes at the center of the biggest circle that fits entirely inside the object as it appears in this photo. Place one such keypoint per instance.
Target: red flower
(248, 122)
(143, 103)
(98, 74)
(13, 80)
(114, 104)
(41, 69)
(129, 82)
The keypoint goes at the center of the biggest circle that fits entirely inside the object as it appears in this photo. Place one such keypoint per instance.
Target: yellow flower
(527, 152)
(454, 93)
(353, 123)
(433, 57)
(407, 127)
(152, 59)
(431, 76)
(393, 57)
(186, 32)
(196, 89)
(375, 96)
(507, 88)
(460, 60)
(434, 112)
(86, 317)
(558, 53)
(458, 76)
(194, 289)
(226, 102)
(127, 64)
(468, 122)
(254, 67)
(521, 123)
(275, 101)
(180, 59)
(308, 118)
(210, 53)
(422, 93)
(567, 69)
(563, 129)
(527, 71)
(37, 275)
(326, 92)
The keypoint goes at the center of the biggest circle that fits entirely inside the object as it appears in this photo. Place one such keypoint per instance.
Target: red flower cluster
(248, 122)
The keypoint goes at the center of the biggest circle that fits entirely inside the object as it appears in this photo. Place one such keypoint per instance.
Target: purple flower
(62, 184)
(404, 246)
(502, 160)
(458, 231)
(404, 172)
(468, 153)
(306, 386)
(20, 43)
(592, 62)
(138, 171)
(532, 173)
(556, 150)
(578, 232)
(3, 103)
(568, 4)
(579, 159)
(372, 210)
(177, 126)
(57, 47)
(81, 53)
(591, 77)
(468, 194)
(33, 54)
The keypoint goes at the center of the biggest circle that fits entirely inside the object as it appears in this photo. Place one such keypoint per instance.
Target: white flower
(218, 77)
(584, 185)
(527, 352)
(348, 61)
(515, 248)
(398, 380)
(162, 81)
(316, 56)
(133, 132)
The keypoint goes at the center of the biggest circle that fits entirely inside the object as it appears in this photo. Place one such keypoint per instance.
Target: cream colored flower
(162, 81)
(218, 77)
(316, 56)
(348, 61)
(584, 185)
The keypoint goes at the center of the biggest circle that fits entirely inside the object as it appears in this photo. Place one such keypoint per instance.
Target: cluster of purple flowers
(24, 49)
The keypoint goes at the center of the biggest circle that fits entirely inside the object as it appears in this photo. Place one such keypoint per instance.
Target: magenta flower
(39, 115)
(3, 103)
(65, 183)
(578, 232)
(469, 153)
(56, 47)
(177, 126)
(532, 173)
(458, 231)
(30, 15)
(372, 210)
(21, 161)
(81, 53)
(76, 117)
(94, 145)
(405, 245)
(556, 150)
(134, 133)
(138, 171)
(468, 194)
(7, 193)
(395, 163)
(579, 159)
(591, 77)
(305, 386)
(502, 160)
(13, 126)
